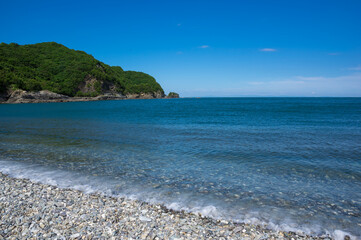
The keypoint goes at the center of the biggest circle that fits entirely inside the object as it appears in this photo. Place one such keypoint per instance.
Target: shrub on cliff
(138, 82)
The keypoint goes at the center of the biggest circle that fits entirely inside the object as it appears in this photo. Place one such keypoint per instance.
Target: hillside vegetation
(54, 67)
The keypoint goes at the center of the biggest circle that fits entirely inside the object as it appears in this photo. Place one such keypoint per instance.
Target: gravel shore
(31, 210)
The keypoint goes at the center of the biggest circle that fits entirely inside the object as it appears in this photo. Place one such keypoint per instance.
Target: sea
(289, 164)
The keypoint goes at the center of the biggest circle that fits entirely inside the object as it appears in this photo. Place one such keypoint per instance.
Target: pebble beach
(30, 210)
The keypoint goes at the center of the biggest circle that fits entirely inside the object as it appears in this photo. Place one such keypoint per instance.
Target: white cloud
(358, 68)
(204, 46)
(179, 24)
(334, 53)
(268, 50)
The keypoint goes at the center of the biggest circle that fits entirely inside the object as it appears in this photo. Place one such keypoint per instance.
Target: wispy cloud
(268, 50)
(280, 82)
(179, 24)
(310, 78)
(345, 85)
(358, 68)
(204, 46)
(334, 53)
(288, 82)
(297, 86)
(256, 83)
(179, 52)
(353, 77)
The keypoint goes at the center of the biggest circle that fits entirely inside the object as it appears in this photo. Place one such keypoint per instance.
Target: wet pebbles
(36, 211)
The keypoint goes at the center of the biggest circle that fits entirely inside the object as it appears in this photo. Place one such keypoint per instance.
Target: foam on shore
(66, 180)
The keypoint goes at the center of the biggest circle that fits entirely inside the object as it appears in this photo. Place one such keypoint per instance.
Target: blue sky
(208, 48)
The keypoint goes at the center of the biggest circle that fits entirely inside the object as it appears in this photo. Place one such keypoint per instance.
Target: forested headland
(54, 67)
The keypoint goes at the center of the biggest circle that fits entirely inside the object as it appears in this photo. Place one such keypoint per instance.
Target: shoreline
(70, 99)
(45, 96)
(76, 99)
(30, 209)
(85, 99)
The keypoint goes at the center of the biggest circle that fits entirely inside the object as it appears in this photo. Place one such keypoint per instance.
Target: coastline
(73, 99)
(77, 99)
(34, 210)
(45, 96)
(70, 99)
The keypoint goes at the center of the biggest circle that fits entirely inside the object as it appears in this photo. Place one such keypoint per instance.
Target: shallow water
(289, 163)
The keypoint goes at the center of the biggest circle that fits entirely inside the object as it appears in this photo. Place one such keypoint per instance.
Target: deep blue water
(290, 163)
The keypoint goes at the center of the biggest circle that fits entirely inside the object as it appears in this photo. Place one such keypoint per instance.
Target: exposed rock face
(110, 96)
(21, 96)
(159, 94)
(89, 85)
(173, 95)
(92, 85)
(146, 95)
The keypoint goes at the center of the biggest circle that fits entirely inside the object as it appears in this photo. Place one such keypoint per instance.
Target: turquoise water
(288, 163)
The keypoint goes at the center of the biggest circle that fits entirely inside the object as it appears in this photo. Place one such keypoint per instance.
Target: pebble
(145, 219)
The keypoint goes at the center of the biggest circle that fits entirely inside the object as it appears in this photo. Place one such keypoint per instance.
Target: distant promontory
(46, 72)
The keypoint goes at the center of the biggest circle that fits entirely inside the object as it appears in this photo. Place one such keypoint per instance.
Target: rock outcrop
(158, 94)
(93, 86)
(110, 96)
(173, 95)
(89, 85)
(21, 96)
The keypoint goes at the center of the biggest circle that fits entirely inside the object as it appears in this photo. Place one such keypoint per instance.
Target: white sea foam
(65, 179)
(340, 235)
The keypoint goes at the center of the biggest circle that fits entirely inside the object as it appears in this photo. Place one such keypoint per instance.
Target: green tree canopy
(54, 67)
